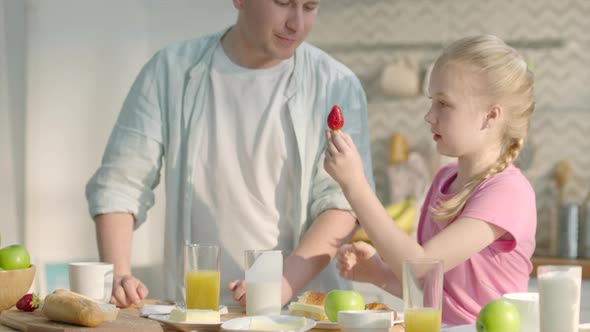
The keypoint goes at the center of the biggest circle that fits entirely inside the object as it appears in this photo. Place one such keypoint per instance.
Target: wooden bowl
(14, 284)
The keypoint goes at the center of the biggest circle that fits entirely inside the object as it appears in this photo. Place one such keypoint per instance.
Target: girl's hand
(359, 262)
(342, 160)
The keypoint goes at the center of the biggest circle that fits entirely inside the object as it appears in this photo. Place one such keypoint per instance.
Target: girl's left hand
(359, 261)
(342, 160)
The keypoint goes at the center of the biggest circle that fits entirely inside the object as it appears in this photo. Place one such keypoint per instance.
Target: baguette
(69, 307)
(110, 310)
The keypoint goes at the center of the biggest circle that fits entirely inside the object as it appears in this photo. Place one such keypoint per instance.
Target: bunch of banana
(404, 214)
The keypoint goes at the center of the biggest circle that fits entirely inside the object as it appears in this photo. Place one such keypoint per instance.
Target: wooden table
(134, 312)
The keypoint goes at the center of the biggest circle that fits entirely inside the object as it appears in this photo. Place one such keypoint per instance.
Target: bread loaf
(69, 307)
(110, 311)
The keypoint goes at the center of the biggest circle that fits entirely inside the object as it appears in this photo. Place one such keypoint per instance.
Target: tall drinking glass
(264, 277)
(202, 276)
(422, 293)
(559, 297)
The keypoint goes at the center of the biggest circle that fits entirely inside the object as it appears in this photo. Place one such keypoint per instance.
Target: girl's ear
(493, 116)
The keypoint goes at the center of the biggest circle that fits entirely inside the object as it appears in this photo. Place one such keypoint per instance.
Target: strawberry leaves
(29, 302)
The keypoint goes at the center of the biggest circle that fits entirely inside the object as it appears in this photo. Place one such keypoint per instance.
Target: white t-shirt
(249, 139)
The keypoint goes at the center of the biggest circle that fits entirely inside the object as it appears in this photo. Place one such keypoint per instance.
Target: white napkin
(162, 309)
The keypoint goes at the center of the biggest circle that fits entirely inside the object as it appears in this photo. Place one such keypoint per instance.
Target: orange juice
(202, 289)
(422, 320)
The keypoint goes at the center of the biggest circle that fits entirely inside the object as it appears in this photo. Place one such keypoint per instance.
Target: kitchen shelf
(585, 263)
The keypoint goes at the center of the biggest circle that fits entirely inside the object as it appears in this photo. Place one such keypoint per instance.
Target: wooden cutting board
(127, 320)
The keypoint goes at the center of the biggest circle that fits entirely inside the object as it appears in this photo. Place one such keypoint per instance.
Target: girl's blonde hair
(508, 82)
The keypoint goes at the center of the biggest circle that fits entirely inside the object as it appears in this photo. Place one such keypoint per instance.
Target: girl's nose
(429, 117)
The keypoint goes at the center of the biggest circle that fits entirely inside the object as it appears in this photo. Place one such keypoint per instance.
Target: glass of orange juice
(201, 276)
(422, 293)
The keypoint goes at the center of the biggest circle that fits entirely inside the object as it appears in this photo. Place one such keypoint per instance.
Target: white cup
(528, 309)
(92, 279)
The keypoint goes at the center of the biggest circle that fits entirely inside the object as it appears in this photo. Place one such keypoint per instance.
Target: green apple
(498, 316)
(14, 257)
(338, 300)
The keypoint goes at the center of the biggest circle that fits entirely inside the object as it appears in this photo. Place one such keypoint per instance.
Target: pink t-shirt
(506, 200)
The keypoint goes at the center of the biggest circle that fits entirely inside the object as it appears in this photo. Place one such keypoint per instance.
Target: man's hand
(114, 232)
(239, 289)
(128, 291)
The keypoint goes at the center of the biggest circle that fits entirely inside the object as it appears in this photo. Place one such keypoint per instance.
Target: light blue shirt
(154, 126)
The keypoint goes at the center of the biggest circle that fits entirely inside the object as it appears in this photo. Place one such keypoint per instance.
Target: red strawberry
(29, 302)
(335, 118)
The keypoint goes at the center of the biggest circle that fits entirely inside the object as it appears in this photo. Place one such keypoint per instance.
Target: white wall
(12, 110)
(82, 57)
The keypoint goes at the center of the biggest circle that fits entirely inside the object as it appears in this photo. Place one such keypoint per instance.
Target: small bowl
(365, 320)
(14, 284)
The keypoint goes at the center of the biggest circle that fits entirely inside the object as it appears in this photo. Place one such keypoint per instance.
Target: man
(238, 118)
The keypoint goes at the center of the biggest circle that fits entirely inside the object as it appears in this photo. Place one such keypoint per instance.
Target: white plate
(243, 323)
(186, 326)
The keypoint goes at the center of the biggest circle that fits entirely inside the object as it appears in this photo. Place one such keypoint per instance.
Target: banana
(407, 218)
(360, 235)
(403, 213)
(395, 209)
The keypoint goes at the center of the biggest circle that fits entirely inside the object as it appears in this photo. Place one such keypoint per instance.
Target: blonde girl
(479, 216)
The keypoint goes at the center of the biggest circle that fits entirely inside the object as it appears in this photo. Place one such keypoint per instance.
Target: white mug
(528, 309)
(92, 279)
